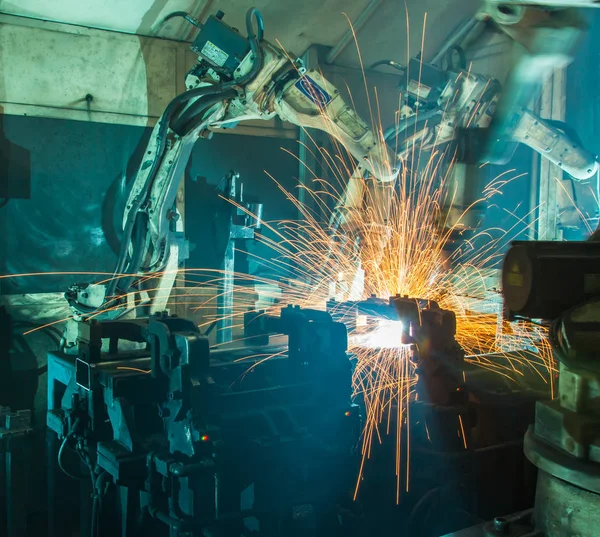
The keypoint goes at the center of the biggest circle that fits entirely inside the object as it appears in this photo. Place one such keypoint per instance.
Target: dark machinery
(463, 425)
(564, 441)
(543, 279)
(245, 222)
(15, 430)
(181, 440)
(557, 283)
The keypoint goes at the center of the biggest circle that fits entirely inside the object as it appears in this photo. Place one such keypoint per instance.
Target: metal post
(458, 38)
(225, 298)
(553, 106)
(244, 221)
(534, 187)
(14, 430)
(16, 517)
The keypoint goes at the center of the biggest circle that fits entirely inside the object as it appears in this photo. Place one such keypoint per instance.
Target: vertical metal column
(15, 464)
(225, 297)
(534, 192)
(244, 221)
(14, 429)
(127, 500)
(553, 106)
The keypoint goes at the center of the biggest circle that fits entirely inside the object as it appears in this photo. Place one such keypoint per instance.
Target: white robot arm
(236, 79)
(549, 32)
(240, 78)
(441, 103)
(487, 124)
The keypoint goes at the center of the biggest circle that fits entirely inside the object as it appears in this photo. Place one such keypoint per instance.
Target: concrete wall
(295, 24)
(47, 69)
(131, 16)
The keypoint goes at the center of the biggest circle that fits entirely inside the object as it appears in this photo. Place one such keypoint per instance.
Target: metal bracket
(14, 423)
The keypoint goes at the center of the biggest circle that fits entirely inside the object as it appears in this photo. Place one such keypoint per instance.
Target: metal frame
(552, 106)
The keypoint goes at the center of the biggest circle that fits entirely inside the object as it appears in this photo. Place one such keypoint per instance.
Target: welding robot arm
(360, 217)
(474, 99)
(554, 140)
(236, 79)
(549, 32)
(456, 105)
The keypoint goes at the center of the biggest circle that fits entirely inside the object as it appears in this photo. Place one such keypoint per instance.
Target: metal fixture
(245, 222)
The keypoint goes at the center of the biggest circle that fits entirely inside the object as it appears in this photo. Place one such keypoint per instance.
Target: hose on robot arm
(136, 217)
(181, 118)
(206, 98)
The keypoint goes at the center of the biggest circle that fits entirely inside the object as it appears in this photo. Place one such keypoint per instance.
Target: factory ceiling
(295, 23)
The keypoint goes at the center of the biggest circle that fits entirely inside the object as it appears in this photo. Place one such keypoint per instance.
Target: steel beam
(357, 25)
(553, 106)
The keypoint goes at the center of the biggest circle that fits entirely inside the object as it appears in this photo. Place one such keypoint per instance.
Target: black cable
(395, 130)
(161, 144)
(567, 129)
(210, 102)
(210, 328)
(192, 116)
(60, 464)
(257, 55)
(390, 63)
(183, 14)
(172, 108)
(461, 56)
(254, 12)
